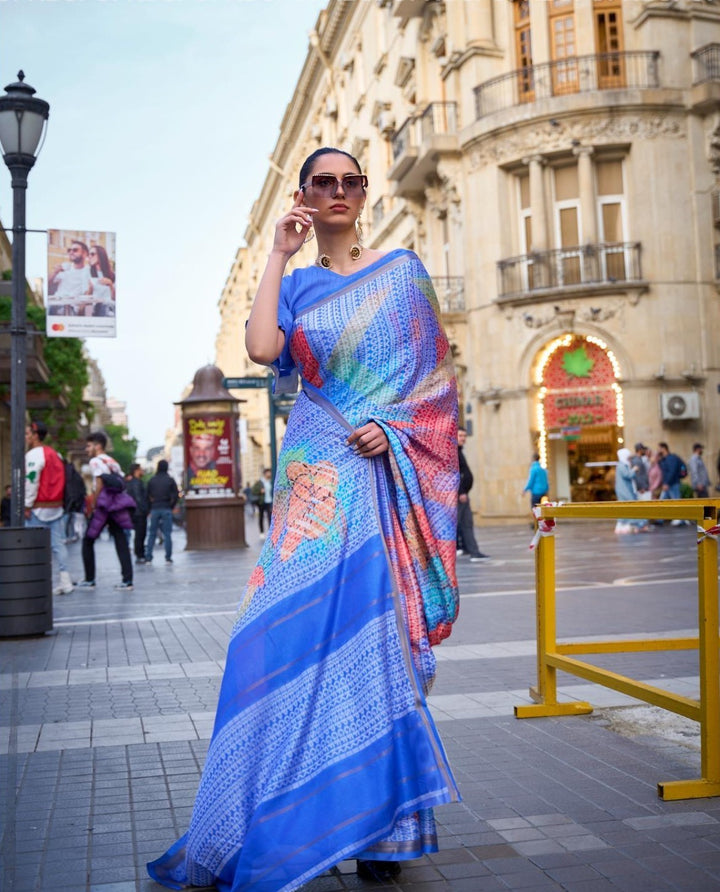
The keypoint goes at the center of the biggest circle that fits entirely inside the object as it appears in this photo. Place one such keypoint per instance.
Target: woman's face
(326, 189)
(94, 258)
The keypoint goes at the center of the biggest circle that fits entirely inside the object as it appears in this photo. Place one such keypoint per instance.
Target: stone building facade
(555, 165)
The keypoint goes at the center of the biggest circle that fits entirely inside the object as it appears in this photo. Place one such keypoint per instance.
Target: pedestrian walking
(641, 466)
(466, 541)
(324, 748)
(699, 477)
(74, 503)
(537, 483)
(263, 493)
(44, 496)
(138, 492)
(673, 470)
(655, 477)
(162, 493)
(110, 507)
(5, 507)
(626, 491)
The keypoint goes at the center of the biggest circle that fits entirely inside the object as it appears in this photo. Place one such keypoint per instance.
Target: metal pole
(18, 347)
(273, 438)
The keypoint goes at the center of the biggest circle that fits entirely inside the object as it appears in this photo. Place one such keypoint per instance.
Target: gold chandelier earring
(357, 249)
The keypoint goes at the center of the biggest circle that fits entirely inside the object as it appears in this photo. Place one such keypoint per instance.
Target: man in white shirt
(109, 508)
(44, 497)
(69, 282)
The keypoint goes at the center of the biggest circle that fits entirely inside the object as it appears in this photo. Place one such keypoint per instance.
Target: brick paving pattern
(105, 724)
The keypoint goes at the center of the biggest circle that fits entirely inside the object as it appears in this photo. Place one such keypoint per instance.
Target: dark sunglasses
(327, 184)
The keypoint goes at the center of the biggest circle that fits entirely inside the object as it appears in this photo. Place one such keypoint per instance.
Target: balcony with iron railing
(705, 93)
(418, 143)
(575, 74)
(706, 63)
(575, 270)
(450, 292)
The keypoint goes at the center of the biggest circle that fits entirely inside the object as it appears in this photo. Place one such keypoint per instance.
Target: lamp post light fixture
(22, 125)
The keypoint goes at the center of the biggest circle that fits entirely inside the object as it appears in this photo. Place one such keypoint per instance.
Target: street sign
(244, 383)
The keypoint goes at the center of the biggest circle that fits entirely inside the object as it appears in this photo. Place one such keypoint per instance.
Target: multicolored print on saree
(324, 747)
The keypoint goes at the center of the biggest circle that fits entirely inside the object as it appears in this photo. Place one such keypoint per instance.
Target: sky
(162, 116)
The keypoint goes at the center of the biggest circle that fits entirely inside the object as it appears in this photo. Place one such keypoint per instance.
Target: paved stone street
(105, 724)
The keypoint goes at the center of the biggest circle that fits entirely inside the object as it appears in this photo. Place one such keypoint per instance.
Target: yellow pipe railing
(552, 655)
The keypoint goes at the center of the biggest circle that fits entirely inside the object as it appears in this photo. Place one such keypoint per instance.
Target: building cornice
(331, 24)
(667, 9)
(458, 59)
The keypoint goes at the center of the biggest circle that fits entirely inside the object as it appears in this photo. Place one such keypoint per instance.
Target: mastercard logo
(58, 326)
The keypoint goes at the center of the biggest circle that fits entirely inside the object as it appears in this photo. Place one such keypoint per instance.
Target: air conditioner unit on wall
(680, 406)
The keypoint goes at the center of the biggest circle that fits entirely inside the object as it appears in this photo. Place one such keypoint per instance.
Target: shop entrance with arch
(580, 417)
(583, 467)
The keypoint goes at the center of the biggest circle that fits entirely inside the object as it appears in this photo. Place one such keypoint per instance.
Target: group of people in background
(155, 501)
(643, 475)
(122, 504)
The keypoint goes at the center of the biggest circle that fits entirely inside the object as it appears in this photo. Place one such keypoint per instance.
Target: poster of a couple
(81, 284)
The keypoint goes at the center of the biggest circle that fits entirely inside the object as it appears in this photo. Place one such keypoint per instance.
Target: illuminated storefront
(579, 416)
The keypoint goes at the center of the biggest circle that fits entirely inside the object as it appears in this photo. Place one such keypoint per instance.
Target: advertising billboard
(81, 284)
(210, 455)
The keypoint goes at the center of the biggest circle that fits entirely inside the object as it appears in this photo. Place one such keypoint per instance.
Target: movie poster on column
(210, 446)
(81, 284)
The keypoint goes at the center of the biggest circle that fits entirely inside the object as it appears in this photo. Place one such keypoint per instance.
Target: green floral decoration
(577, 364)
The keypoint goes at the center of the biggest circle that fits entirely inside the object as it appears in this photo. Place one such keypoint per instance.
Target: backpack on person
(52, 480)
(75, 492)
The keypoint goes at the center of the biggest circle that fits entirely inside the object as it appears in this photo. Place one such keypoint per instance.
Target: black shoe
(476, 558)
(140, 560)
(378, 871)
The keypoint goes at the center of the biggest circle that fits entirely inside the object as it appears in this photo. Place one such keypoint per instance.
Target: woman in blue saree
(323, 747)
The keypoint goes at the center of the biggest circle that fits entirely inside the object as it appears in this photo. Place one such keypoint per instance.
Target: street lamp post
(22, 125)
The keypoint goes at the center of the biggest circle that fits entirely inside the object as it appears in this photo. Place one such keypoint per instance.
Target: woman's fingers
(292, 229)
(369, 440)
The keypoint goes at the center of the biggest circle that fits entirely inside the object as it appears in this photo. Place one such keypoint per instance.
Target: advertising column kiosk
(214, 504)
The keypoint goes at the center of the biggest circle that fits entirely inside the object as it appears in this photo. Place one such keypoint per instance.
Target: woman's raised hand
(292, 229)
(369, 440)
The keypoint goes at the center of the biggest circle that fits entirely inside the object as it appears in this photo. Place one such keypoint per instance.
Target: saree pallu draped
(323, 746)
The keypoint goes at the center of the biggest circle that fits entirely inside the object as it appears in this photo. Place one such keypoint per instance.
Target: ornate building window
(525, 218)
(611, 213)
(609, 43)
(523, 50)
(568, 225)
(563, 47)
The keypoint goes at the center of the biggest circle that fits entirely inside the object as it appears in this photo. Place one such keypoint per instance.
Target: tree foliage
(124, 447)
(68, 377)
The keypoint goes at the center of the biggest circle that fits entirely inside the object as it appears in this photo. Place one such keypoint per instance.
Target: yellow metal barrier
(552, 656)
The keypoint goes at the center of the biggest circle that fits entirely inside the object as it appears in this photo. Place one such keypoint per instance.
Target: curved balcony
(419, 142)
(706, 63)
(705, 93)
(576, 74)
(584, 269)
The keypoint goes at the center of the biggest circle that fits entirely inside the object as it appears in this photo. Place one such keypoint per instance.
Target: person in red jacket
(44, 491)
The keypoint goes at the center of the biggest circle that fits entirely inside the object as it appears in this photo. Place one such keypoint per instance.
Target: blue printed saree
(323, 747)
